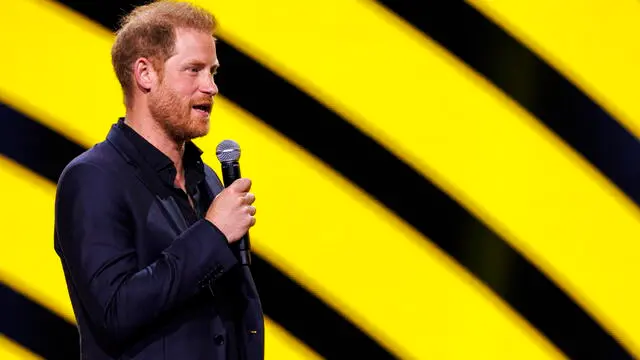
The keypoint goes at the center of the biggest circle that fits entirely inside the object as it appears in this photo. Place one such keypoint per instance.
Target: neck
(149, 129)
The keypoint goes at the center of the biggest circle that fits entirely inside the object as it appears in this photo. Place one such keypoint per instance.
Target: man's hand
(231, 211)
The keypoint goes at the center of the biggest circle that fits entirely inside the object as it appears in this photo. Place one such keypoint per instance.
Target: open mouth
(203, 108)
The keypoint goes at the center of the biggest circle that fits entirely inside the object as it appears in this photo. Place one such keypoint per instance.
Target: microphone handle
(230, 173)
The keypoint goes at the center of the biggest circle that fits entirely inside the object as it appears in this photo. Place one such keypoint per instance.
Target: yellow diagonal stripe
(592, 43)
(29, 259)
(29, 263)
(89, 42)
(398, 288)
(368, 264)
(429, 109)
(279, 344)
(9, 350)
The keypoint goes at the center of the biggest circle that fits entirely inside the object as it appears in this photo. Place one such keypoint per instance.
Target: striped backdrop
(433, 181)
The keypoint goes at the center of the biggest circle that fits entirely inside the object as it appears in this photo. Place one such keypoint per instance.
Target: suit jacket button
(218, 339)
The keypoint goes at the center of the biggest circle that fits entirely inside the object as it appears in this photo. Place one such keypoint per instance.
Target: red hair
(149, 31)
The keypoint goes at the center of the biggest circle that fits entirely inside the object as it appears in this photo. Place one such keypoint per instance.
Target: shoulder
(211, 176)
(97, 167)
(93, 185)
(208, 171)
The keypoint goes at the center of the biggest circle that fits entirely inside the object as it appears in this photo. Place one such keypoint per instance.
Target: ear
(144, 73)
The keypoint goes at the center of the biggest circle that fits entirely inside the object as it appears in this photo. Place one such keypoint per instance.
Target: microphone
(228, 153)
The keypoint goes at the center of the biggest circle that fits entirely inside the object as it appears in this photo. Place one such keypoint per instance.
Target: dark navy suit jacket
(144, 284)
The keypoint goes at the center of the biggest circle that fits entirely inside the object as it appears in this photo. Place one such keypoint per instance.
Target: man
(144, 230)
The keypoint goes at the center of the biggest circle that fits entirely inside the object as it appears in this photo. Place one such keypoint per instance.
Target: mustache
(203, 101)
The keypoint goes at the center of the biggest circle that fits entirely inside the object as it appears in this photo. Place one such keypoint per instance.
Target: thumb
(241, 185)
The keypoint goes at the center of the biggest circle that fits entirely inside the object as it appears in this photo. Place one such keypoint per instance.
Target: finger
(242, 185)
(249, 198)
(251, 210)
(253, 221)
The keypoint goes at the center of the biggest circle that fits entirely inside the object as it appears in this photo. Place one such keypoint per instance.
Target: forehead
(195, 44)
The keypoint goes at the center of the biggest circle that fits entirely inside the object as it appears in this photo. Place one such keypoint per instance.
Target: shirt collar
(161, 163)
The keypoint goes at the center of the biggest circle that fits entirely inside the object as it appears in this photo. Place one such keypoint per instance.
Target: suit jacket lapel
(214, 186)
(173, 212)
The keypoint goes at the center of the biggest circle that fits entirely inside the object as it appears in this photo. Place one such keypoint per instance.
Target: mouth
(204, 108)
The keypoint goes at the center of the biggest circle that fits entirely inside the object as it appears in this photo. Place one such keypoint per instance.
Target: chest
(160, 218)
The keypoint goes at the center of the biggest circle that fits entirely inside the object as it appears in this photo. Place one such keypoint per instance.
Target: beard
(174, 114)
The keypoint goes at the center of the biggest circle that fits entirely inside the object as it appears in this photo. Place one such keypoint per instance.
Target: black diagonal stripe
(28, 142)
(36, 328)
(530, 81)
(287, 303)
(360, 159)
(552, 99)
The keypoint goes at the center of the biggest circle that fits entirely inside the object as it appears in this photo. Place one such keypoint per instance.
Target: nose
(209, 86)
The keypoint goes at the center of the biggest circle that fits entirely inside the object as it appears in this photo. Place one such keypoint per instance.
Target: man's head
(165, 57)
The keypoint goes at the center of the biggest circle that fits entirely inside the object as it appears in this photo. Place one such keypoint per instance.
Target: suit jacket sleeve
(95, 234)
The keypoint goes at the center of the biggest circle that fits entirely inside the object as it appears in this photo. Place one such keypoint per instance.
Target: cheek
(177, 84)
(185, 85)
(178, 97)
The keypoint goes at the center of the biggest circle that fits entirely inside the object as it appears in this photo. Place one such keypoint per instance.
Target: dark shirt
(194, 177)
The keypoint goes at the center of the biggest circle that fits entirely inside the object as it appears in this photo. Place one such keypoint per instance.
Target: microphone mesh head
(228, 150)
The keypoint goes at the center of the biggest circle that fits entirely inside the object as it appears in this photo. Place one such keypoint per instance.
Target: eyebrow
(200, 63)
